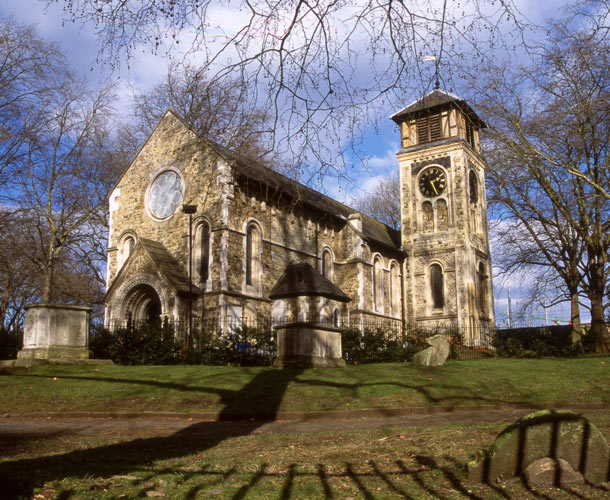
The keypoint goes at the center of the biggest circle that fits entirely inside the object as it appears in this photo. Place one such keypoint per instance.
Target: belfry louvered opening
(429, 128)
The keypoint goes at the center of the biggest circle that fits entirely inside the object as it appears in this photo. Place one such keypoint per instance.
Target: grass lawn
(383, 463)
(265, 390)
(242, 460)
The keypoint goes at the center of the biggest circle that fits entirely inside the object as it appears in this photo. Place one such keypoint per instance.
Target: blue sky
(145, 69)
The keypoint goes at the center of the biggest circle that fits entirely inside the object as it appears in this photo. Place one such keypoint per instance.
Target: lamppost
(190, 210)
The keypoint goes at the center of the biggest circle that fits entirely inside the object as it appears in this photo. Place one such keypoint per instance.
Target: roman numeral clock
(432, 182)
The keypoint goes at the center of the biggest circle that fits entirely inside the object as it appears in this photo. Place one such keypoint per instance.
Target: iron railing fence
(259, 334)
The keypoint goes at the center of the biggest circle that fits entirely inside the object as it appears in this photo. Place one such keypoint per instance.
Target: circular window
(165, 194)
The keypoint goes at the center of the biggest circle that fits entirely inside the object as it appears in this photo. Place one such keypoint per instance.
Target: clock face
(432, 182)
(165, 194)
(473, 185)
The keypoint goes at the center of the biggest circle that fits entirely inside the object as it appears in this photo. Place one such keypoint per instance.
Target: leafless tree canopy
(322, 69)
(550, 174)
(59, 160)
(383, 203)
(221, 113)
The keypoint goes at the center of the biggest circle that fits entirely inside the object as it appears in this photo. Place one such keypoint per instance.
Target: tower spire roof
(438, 98)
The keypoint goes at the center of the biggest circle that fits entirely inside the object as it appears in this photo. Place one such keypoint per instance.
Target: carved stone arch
(134, 292)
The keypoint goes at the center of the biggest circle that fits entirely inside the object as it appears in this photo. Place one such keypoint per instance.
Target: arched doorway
(143, 306)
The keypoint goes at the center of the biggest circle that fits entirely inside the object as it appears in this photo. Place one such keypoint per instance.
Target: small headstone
(549, 472)
(559, 435)
(440, 343)
(427, 357)
(435, 355)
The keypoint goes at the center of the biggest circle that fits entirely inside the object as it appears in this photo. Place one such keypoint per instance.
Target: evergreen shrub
(11, 342)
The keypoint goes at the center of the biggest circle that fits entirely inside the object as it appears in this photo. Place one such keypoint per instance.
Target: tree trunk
(47, 289)
(599, 329)
(577, 331)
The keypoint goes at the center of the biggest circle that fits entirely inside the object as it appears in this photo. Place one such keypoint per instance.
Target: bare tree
(221, 113)
(324, 70)
(383, 203)
(59, 160)
(550, 131)
(28, 69)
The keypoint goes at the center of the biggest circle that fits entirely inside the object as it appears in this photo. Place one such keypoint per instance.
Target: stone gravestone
(54, 333)
(436, 354)
(572, 443)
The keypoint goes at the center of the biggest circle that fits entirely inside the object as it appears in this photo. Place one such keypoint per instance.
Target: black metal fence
(371, 338)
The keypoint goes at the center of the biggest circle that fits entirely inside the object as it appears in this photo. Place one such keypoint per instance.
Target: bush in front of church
(380, 344)
(159, 345)
(142, 345)
(11, 342)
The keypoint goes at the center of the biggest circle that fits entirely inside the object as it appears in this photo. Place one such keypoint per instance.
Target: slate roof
(437, 99)
(167, 265)
(163, 261)
(258, 173)
(300, 279)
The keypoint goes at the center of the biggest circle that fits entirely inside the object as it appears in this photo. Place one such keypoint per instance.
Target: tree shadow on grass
(262, 395)
(425, 477)
(259, 396)
(127, 456)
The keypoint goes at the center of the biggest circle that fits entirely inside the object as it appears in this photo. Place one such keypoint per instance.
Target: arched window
(483, 287)
(125, 249)
(378, 283)
(327, 264)
(253, 257)
(250, 316)
(437, 292)
(442, 221)
(278, 313)
(395, 289)
(428, 217)
(336, 317)
(201, 251)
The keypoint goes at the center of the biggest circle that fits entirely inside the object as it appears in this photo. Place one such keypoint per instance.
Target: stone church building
(247, 223)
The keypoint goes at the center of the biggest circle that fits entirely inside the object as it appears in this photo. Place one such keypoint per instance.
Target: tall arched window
(202, 251)
(442, 217)
(327, 264)
(428, 217)
(483, 287)
(378, 283)
(125, 249)
(437, 286)
(395, 289)
(253, 256)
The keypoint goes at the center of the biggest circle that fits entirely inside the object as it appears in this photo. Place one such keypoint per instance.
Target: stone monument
(54, 333)
(436, 354)
(307, 340)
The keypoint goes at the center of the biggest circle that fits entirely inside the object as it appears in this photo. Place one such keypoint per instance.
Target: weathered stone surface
(55, 332)
(435, 355)
(548, 472)
(442, 347)
(546, 434)
(427, 357)
(306, 345)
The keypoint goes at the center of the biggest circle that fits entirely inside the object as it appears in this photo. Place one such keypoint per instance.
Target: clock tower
(444, 215)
